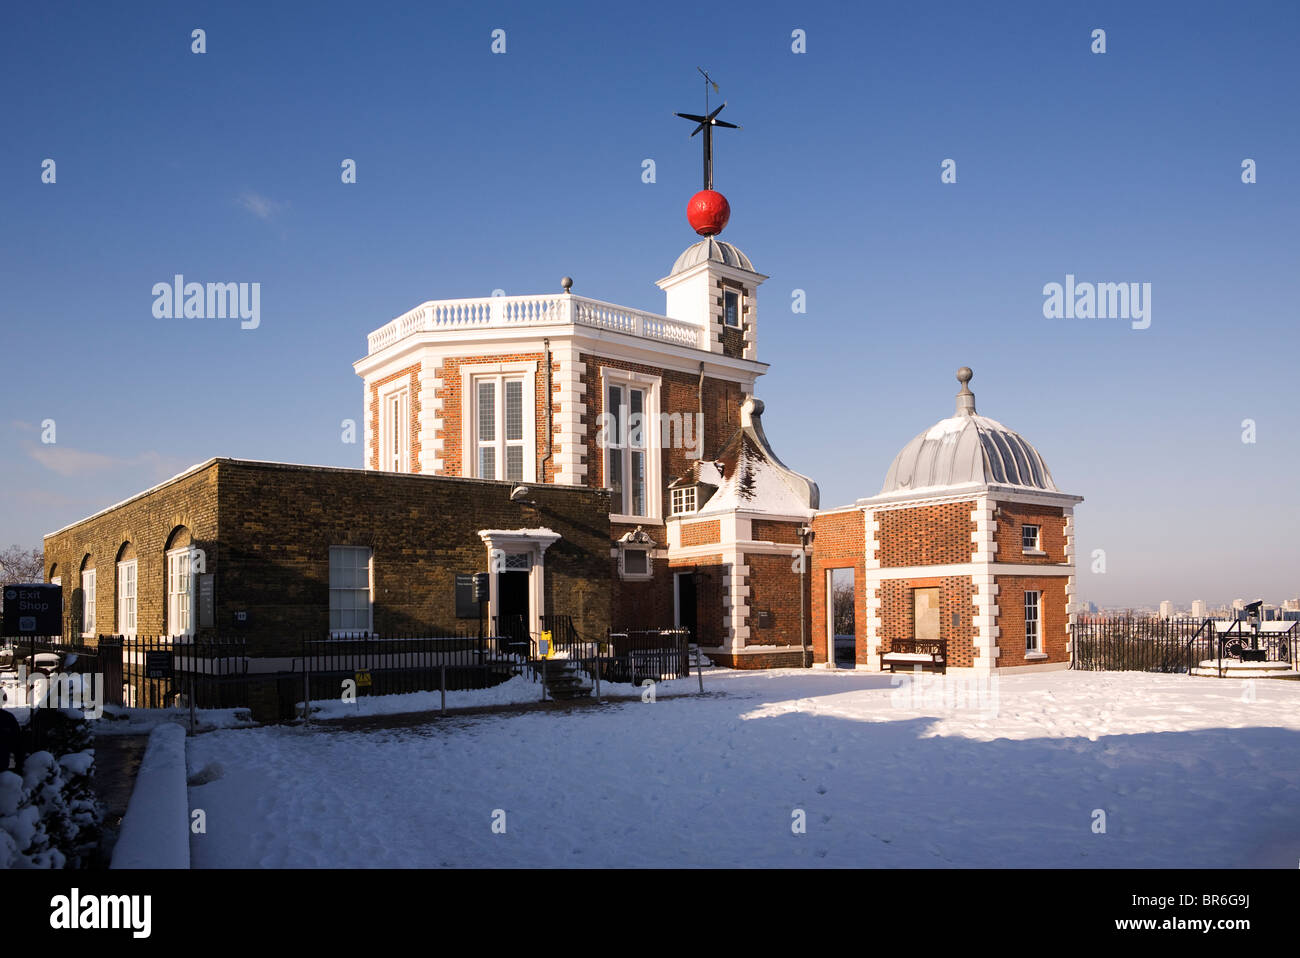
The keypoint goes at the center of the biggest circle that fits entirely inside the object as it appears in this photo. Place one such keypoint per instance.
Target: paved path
(117, 759)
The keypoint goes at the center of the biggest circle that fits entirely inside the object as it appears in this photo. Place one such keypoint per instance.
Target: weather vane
(707, 123)
(708, 211)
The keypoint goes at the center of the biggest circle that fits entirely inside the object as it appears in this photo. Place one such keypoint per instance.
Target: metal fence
(136, 671)
(1171, 645)
(214, 672)
(408, 662)
(160, 671)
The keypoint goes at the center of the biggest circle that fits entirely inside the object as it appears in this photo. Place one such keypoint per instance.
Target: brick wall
(701, 533)
(838, 544)
(147, 526)
(452, 394)
(412, 376)
(709, 594)
(678, 393)
(774, 587)
(267, 529)
(926, 535)
(956, 598)
(1013, 516)
(770, 530)
(1011, 618)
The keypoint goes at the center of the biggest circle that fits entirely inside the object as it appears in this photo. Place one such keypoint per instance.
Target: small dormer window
(731, 308)
(684, 501)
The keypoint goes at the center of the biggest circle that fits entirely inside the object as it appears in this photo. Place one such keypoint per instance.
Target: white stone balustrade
(497, 312)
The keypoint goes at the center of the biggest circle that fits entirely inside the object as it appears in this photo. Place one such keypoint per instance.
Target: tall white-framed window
(1033, 622)
(499, 438)
(180, 592)
(126, 599)
(87, 601)
(351, 589)
(395, 433)
(629, 437)
(499, 421)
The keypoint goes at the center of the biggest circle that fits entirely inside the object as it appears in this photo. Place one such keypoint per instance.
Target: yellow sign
(363, 680)
(546, 647)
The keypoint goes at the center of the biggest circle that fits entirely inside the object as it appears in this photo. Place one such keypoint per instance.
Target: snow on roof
(752, 478)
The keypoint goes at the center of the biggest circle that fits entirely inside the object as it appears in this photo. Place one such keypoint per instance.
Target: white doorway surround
(529, 545)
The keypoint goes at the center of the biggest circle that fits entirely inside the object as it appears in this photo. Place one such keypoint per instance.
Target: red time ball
(708, 212)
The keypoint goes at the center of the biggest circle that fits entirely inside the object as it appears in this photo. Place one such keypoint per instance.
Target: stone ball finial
(566, 282)
(964, 375)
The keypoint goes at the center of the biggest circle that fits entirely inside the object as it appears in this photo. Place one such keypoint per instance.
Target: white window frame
(1037, 547)
(623, 573)
(180, 592)
(684, 500)
(128, 599)
(369, 589)
(740, 307)
(1033, 622)
(395, 429)
(651, 444)
(88, 588)
(498, 373)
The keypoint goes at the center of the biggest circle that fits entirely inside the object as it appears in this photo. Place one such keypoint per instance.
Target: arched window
(88, 595)
(180, 582)
(127, 579)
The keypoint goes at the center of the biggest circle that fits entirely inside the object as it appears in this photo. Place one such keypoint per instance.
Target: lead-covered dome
(967, 449)
(711, 251)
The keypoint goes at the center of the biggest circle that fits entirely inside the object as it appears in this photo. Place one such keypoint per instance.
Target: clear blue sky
(479, 171)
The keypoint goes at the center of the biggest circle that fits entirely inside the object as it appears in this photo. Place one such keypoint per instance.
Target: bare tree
(842, 608)
(22, 565)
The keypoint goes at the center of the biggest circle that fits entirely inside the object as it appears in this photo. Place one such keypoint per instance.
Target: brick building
(969, 541)
(297, 551)
(617, 458)
(563, 390)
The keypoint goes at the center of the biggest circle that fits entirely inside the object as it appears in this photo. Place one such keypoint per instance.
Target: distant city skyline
(913, 182)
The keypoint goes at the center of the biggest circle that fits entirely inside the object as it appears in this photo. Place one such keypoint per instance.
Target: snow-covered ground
(1188, 772)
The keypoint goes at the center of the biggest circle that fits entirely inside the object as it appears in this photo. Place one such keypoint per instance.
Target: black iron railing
(1148, 644)
(393, 663)
(1133, 644)
(161, 671)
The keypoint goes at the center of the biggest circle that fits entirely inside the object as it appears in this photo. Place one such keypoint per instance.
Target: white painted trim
(530, 542)
(470, 375)
(651, 439)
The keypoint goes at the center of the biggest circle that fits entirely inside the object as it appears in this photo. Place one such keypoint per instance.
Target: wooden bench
(909, 654)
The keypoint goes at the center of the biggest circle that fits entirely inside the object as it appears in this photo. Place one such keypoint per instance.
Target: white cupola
(714, 285)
